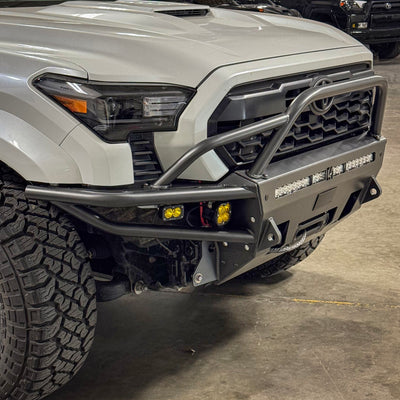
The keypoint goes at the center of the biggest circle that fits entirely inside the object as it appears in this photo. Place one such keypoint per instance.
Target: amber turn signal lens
(73, 105)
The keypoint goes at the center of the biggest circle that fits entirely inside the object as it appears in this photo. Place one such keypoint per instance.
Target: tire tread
(48, 295)
(284, 261)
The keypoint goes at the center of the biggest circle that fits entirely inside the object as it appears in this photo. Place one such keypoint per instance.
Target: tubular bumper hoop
(160, 193)
(284, 122)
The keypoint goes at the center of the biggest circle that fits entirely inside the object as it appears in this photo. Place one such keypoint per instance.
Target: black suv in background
(373, 22)
(267, 6)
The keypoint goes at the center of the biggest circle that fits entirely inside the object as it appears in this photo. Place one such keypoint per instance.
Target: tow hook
(373, 192)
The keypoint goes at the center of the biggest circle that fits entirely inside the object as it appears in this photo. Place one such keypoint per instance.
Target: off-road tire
(386, 51)
(47, 296)
(284, 261)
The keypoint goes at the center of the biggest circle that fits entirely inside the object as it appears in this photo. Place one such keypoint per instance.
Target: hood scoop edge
(185, 12)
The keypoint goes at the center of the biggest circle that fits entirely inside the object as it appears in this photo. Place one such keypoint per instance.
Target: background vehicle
(373, 22)
(268, 6)
(163, 145)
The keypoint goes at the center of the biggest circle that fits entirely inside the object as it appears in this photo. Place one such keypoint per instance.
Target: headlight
(113, 111)
(360, 3)
(353, 5)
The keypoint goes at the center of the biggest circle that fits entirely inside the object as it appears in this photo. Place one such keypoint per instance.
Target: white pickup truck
(164, 145)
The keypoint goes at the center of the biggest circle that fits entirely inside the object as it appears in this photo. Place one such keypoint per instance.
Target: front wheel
(386, 51)
(47, 296)
(284, 261)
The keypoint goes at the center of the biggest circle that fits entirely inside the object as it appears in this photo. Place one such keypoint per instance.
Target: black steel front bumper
(375, 36)
(382, 27)
(279, 222)
(265, 222)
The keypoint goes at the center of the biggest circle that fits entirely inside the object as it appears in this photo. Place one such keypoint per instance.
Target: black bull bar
(165, 191)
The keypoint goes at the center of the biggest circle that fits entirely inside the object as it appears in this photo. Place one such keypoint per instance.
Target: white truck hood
(134, 41)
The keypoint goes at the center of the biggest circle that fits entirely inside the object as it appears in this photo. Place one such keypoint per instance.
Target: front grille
(350, 115)
(382, 7)
(146, 167)
(196, 12)
(383, 17)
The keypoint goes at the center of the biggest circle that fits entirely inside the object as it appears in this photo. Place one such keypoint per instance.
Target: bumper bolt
(225, 244)
(246, 247)
(252, 219)
(271, 237)
(198, 278)
(373, 192)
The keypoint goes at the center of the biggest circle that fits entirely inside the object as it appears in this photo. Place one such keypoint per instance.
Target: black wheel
(284, 261)
(386, 51)
(47, 296)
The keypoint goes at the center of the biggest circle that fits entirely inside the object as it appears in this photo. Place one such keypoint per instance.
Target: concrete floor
(328, 330)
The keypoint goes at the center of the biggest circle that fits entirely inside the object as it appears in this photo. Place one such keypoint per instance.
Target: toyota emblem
(388, 6)
(322, 106)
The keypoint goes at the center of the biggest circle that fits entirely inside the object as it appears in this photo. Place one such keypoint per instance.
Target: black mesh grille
(382, 7)
(349, 115)
(383, 17)
(146, 166)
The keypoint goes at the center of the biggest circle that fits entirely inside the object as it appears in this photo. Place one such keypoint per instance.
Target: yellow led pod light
(173, 213)
(223, 214)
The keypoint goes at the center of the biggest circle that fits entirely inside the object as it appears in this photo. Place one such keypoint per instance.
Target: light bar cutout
(325, 175)
(292, 187)
(359, 162)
